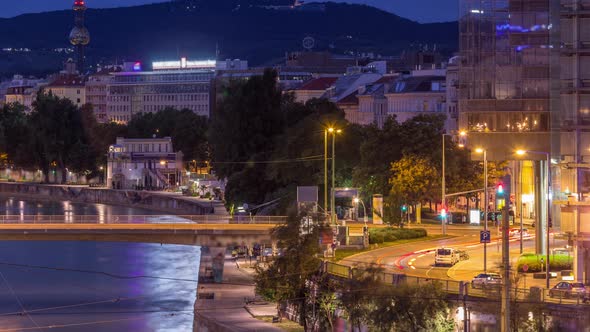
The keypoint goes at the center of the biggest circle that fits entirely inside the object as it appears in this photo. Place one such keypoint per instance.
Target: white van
(445, 256)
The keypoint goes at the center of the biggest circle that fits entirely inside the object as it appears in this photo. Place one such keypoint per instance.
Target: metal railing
(532, 294)
(138, 219)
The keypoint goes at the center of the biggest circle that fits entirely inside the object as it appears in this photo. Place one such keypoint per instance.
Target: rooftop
(67, 80)
(318, 84)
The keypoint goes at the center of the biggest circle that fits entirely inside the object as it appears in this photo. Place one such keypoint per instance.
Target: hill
(240, 29)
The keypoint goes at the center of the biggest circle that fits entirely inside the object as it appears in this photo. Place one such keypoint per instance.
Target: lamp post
(486, 200)
(103, 174)
(548, 184)
(326, 169)
(333, 198)
(443, 196)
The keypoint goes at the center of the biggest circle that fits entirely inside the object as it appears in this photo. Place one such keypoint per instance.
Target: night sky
(418, 10)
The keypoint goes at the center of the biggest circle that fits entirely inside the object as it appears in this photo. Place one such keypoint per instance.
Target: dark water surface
(94, 286)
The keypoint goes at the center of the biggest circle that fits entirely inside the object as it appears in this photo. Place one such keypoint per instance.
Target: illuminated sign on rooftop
(183, 63)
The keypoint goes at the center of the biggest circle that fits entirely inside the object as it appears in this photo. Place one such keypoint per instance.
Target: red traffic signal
(500, 188)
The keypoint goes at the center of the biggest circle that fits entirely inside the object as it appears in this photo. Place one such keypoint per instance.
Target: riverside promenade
(228, 310)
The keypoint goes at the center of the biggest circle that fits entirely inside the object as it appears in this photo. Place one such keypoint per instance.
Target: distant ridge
(254, 30)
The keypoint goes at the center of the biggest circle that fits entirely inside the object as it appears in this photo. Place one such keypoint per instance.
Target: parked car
(445, 256)
(566, 289)
(463, 255)
(486, 280)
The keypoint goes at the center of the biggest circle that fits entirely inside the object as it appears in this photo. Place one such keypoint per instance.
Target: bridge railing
(532, 294)
(138, 219)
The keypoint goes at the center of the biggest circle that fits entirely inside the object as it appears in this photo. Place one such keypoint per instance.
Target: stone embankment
(165, 202)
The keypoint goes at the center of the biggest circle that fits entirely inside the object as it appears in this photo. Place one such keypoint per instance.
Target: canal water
(94, 286)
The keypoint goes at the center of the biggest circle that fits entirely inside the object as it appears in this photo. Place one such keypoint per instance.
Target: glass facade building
(524, 83)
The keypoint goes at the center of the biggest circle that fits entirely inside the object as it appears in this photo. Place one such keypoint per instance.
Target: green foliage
(414, 179)
(245, 123)
(187, 130)
(286, 278)
(411, 308)
(380, 235)
(556, 262)
(59, 135)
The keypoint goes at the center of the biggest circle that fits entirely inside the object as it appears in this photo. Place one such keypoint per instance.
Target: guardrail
(138, 219)
(533, 294)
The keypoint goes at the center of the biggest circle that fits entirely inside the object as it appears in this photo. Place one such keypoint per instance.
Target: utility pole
(506, 284)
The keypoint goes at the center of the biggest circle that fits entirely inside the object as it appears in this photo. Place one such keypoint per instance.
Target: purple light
(137, 66)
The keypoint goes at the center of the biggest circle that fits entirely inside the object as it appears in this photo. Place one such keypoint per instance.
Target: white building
(143, 163)
(422, 92)
(96, 91)
(180, 85)
(22, 91)
(69, 86)
(373, 103)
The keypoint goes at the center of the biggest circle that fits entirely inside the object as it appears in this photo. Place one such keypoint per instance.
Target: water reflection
(94, 286)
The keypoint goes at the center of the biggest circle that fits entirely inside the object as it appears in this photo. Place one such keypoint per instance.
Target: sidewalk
(228, 310)
(219, 208)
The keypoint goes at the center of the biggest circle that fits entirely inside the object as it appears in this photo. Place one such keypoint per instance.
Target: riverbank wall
(174, 204)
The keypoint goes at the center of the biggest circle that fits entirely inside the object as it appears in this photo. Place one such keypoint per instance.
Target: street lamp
(332, 131)
(486, 200)
(548, 184)
(443, 200)
(356, 200)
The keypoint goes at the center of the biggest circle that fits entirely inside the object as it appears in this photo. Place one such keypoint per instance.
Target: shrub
(380, 235)
(556, 262)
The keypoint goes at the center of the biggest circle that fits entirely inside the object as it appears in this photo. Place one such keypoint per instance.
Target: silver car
(566, 290)
(486, 280)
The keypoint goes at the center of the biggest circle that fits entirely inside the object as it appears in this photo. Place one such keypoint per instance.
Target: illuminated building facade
(179, 84)
(524, 83)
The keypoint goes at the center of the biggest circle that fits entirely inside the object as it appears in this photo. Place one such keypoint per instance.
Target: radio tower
(79, 36)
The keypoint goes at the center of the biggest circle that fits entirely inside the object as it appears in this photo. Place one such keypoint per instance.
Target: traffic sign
(484, 237)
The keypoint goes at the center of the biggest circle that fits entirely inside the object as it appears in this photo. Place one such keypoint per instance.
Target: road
(417, 258)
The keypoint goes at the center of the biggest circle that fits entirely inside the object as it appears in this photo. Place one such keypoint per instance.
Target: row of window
(164, 78)
(147, 147)
(158, 89)
(156, 108)
(184, 97)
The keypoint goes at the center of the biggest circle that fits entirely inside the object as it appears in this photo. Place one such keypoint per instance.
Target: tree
(357, 296)
(15, 140)
(414, 179)
(411, 308)
(245, 123)
(58, 132)
(187, 130)
(378, 150)
(287, 278)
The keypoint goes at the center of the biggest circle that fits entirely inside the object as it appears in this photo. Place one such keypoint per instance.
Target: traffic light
(500, 189)
(404, 208)
(443, 212)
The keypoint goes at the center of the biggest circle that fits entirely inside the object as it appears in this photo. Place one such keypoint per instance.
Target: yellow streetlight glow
(162, 162)
(356, 200)
(339, 131)
(331, 130)
(462, 133)
(520, 152)
(479, 150)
